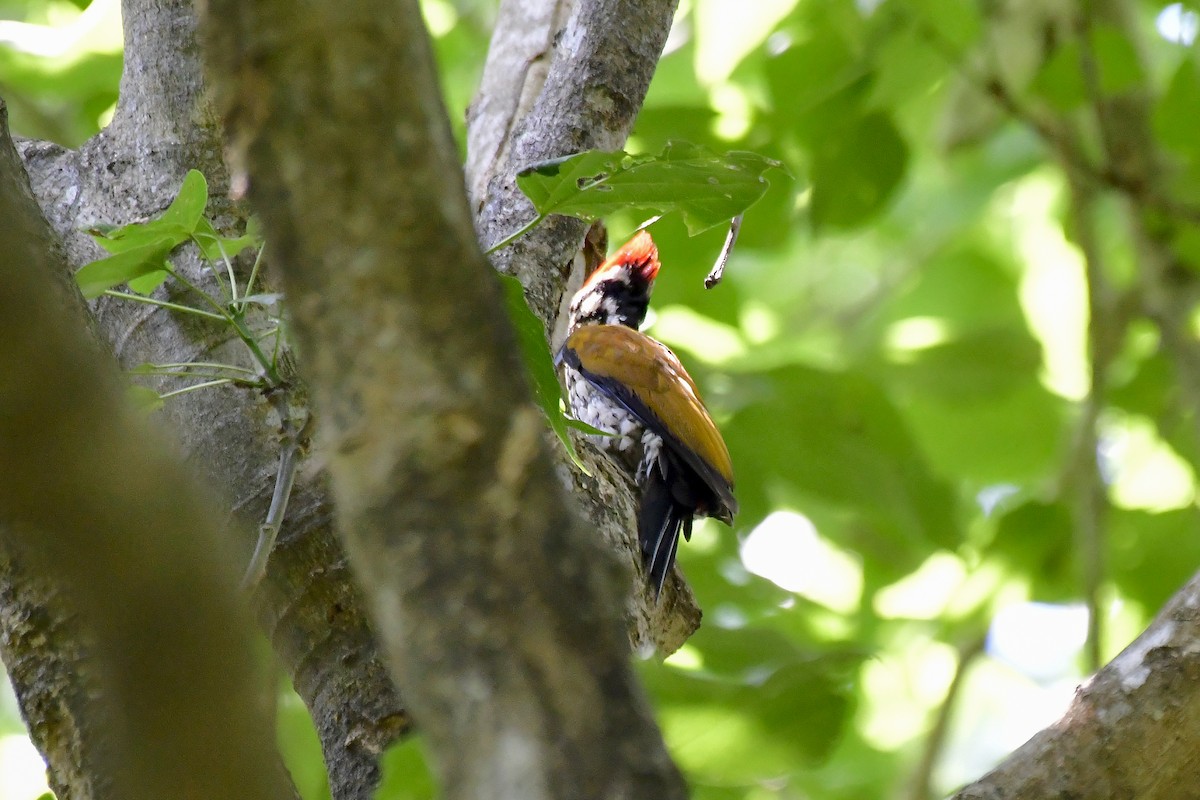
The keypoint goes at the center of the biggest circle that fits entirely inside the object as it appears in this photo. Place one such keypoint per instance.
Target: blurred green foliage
(898, 358)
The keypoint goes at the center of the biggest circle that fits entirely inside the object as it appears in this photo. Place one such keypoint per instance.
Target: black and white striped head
(618, 292)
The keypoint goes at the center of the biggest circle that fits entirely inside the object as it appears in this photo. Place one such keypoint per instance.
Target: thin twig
(152, 301)
(718, 270)
(196, 386)
(293, 438)
(254, 271)
(920, 784)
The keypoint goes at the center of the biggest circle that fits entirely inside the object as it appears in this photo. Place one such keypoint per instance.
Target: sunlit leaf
(705, 187)
(146, 284)
(96, 277)
(406, 774)
(187, 209)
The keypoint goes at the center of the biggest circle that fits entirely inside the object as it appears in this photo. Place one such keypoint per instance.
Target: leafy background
(898, 356)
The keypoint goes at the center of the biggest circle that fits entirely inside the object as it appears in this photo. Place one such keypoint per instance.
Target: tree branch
(557, 83)
(134, 551)
(307, 603)
(1133, 730)
(497, 607)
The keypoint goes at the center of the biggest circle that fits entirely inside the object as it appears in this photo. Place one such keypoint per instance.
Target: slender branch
(205, 364)
(293, 438)
(254, 271)
(195, 387)
(154, 301)
(920, 786)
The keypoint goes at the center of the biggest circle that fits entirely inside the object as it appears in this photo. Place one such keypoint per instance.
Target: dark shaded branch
(497, 606)
(173, 646)
(306, 603)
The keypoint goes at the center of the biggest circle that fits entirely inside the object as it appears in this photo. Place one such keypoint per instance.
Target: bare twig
(718, 270)
(919, 787)
(294, 440)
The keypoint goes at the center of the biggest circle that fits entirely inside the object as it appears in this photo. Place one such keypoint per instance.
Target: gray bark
(307, 603)
(120, 537)
(1133, 730)
(498, 608)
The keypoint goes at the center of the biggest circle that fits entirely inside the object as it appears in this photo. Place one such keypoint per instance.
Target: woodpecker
(625, 383)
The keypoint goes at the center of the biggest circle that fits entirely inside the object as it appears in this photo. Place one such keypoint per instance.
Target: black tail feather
(659, 523)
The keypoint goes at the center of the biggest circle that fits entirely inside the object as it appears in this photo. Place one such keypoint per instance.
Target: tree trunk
(498, 609)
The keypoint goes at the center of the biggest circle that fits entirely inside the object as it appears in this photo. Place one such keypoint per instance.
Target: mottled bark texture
(102, 509)
(497, 606)
(562, 77)
(1133, 730)
(307, 603)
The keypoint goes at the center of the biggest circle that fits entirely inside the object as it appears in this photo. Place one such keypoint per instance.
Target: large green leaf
(95, 278)
(406, 773)
(1060, 81)
(140, 249)
(981, 366)
(1175, 114)
(705, 187)
(753, 730)
(175, 225)
(1151, 555)
(1118, 65)
(1037, 540)
(837, 439)
(855, 172)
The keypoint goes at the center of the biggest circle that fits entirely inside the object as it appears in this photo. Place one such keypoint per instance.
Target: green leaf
(1036, 540)
(300, 746)
(1117, 64)
(790, 73)
(838, 439)
(406, 773)
(1153, 554)
(1175, 116)
(706, 188)
(767, 725)
(180, 220)
(854, 173)
(187, 209)
(96, 277)
(148, 282)
(143, 398)
(137, 235)
(531, 339)
(956, 24)
(979, 366)
(216, 247)
(1060, 81)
